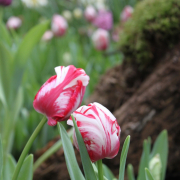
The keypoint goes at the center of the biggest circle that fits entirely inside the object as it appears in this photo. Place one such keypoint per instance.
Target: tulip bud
(67, 15)
(59, 25)
(104, 20)
(5, 2)
(47, 36)
(13, 22)
(126, 13)
(100, 39)
(61, 94)
(90, 13)
(155, 166)
(77, 13)
(35, 3)
(99, 130)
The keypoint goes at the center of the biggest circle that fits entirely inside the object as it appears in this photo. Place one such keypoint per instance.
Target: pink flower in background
(59, 25)
(47, 36)
(61, 94)
(126, 13)
(100, 39)
(99, 129)
(13, 22)
(5, 2)
(90, 13)
(104, 20)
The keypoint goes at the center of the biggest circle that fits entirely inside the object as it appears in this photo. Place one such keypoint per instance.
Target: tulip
(67, 15)
(47, 36)
(100, 39)
(61, 94)
(59, 25)
(104, 20)
(35, 3)
(90, 13)
(77, 13)
(99, 130)
(5, 2)
(126, 13)
(13, 22)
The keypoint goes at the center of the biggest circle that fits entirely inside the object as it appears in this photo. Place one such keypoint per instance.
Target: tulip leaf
(10, 165)
(4, 35)
(144, 162)
(86, 162)
(107, 172)
(123, 158)
(26, 172)
(71, 162)
(29, 41)
(161, 147)
(1, 158)
(148, 174)
(5, 59)
(96, 172)
(130, 172)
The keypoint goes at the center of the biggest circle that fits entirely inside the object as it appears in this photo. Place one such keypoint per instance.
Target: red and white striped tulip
(99, 130)
(59, 25)
(100, 39)
(90, 13)
(126, 13)
(61, 94)
(13, 22)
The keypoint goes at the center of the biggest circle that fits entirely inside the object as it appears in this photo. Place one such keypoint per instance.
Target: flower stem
(50, 151)
(100, 170)
(27, 147)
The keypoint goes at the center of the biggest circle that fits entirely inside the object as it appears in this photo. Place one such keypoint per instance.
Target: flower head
(13, 22)
(61, 94)
(59, 25)
(126, 13)
(104, 20)
(47, 36)
(99, 130)
(90, 13)
(35, 3)
(100, 39)
(5, 2)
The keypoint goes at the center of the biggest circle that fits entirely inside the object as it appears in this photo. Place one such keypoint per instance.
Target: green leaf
(144, 162)
(123, 158)
(1, 158)
(10, 165)
(96, 172)
(148, 174)
(5, 73)
(107, 172)
(87, 166)
(161, 147)
(71, 162)
(26, 172)
(130, 172)
(4, 35)
(29, 41)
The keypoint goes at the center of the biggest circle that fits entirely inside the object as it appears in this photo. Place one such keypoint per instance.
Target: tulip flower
(13, 22)
(61, 94)
(35, 3)
(90, 13)
(104, 20)
(59, 25)
(99, 130)
(77, 13)
(100, 39)
(5, 2)
(47, 36)
(126, 13)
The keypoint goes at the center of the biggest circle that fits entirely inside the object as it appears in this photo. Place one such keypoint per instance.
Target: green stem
(50, 151)
(27, 147)
(100, 170)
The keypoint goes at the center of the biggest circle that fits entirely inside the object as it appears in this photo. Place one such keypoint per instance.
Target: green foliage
(148, 174)
(123, 158)
(154, 23)
(87, 166)
(130, 172)
(70, 157)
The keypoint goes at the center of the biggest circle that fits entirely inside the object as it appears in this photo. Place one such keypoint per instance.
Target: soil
(144, 103)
